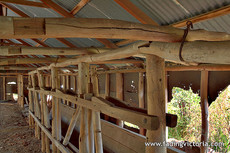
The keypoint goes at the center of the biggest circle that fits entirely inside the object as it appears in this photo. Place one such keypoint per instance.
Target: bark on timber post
(141, 96)
(20, 91)
(83, 74)
(155, 75)
(67, 87)
(119, 92)
(96, 115)
(204, 110)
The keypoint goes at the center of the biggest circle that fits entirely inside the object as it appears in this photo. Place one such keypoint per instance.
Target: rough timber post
(204, 110)
(119, 92)
(31, 104)
(20, 91)
(36, 105)
(107, 90)
(96, 115)
(4, 87)
(155, 74)
(56, 116)
(141, 96)
(45, 114)
(83, 74)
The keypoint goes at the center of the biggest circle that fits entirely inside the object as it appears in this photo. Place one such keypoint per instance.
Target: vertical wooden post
(119, 91)
(64, 85)
(20, 91)
(155, 75)
(141, 96)
(204, 110)
(166, 101)
(67, 87)
(74, 89)
(4, 87)
(107, 90)
(83, 74)
(37, 109)
(31, 103)
(96, 115)
(56, 116)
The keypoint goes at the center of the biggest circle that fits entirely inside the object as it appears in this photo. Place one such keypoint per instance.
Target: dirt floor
(15, 134)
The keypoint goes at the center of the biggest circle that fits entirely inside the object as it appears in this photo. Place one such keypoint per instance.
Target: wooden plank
(138, 118)
(155, 76)
(204, 110)
(141, 96)
(54, 141)
(120, 92)
(25, 2)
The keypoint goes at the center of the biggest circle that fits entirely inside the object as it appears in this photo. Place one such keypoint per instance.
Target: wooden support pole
(71, 125)
(107, 90)
(141, 96)
(31, 103)
(155, 75)
(204, 110)
(4, 87)
(119, 92)
(67, 86)
(56, 116)
(83, 74)
(96, 114)
(37, 109)
(44, 114)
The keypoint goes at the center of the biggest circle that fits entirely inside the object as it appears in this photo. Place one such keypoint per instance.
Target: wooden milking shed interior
(86, 66)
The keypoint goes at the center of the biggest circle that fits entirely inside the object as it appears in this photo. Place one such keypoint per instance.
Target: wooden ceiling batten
(136, 12)
(25, 2)
(79, 6)
(67, 14)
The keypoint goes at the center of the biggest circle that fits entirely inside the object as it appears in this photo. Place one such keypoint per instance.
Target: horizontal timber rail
(12, 27)
(137, 118)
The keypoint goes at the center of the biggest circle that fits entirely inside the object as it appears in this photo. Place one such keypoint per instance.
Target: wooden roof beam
(25, 2)
(16, 68)
(98, 28)
(12, 51)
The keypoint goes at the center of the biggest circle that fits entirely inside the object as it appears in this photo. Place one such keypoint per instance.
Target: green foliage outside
(186, 105)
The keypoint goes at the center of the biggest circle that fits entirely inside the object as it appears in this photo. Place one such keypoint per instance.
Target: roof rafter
(25, 2)
(79, 6)
(65, 13)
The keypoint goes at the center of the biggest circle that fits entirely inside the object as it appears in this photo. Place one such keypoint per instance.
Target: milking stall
(94, 76)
